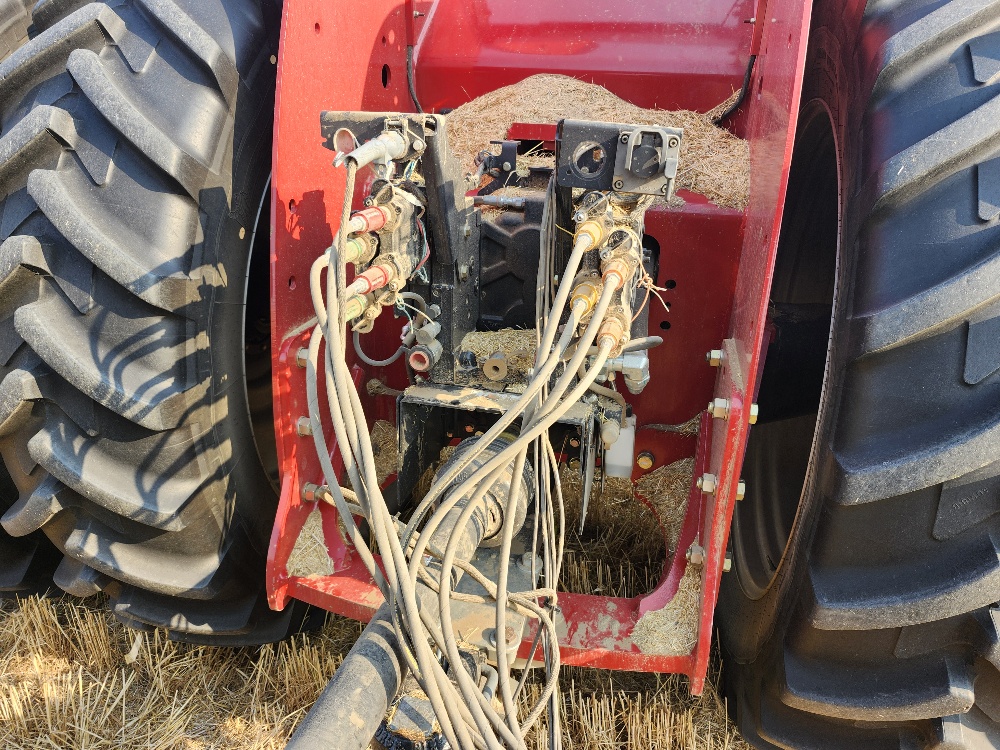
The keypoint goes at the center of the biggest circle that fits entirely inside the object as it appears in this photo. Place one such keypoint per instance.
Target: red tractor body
(717, 262)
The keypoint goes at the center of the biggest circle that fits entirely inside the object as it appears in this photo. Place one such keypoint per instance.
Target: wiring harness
(580, 324)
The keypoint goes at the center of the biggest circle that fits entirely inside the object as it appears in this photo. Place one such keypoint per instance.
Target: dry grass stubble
(71, 676)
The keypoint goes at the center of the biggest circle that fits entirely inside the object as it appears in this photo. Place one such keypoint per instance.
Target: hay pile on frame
(713, 161)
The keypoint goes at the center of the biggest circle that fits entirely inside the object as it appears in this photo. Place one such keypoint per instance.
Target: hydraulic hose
(353, 704)
(482, 494)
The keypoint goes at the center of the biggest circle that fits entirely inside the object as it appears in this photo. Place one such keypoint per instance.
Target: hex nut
(304, 427)
(695, 554)
(719, 408)
(741, 490)
(714, 357)
(754, 412)
(727, 564)
(706, 483)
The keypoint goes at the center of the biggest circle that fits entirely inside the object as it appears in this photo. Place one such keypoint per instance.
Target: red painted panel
(669, 54)
(352, 57)
(772, 110)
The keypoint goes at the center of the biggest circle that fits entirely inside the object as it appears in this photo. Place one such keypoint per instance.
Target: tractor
(239, 237)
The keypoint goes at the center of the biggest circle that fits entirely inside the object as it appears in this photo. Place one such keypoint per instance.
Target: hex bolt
(754, 411)
(645, 460)
(727, 564)
(304, 427)
(706, 483)
(714, 357)
(463, 272)
(302, 357)
(719, 408)
(309, 492)
(492, 636)
(695, 554)
(741, 490)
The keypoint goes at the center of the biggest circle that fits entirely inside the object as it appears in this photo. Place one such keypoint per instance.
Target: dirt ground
(71, 676)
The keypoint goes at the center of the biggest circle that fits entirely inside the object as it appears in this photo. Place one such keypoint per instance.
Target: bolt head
(304, 427)
(714, 357)
(719, 408)
(645, 460)
(706, 483)
(673, 143)
(741, 490)
(302, 357)
(664, 188)
(506, 166)
(727, 564)
(695, 554)
(624, 138)
(419, 145)
(309, 492)
(619, 184)
(754, 412)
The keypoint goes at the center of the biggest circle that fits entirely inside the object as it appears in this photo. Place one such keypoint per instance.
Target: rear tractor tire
(135, 140)
(862, 611)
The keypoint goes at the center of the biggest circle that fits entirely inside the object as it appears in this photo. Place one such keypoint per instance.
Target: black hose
(409, 78)
(743, 94)
(353, 704)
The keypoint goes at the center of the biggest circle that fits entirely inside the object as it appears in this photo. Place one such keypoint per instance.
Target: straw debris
(385, 444)
(713, 161)
(310, 556)
(667, 489)
(64, 682)
(673, 629)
